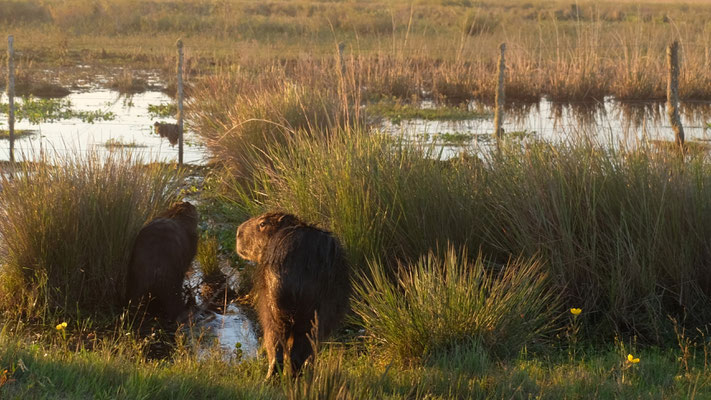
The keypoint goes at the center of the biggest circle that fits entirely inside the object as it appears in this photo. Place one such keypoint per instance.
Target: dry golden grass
(445, 49)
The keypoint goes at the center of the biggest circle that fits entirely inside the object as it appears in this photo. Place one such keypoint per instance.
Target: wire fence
(132, 124)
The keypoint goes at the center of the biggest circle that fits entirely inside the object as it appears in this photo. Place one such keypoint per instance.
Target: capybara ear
(287, 220)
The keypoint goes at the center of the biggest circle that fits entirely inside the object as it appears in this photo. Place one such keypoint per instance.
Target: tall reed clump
(439, 303)
(239, 121)
(67, 230)
(624, 232)
(382, 197)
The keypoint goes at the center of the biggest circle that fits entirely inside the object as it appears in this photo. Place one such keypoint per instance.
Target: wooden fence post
(11, 95)
(180, 101)
(673, 93)
(341, 48)
(499, 100)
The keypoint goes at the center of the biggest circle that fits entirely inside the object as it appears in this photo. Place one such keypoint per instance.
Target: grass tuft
(438, 304)
(68, 230)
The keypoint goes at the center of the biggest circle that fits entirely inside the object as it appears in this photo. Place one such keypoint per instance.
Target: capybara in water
(162, 254)
(168, 131)
(302, 276)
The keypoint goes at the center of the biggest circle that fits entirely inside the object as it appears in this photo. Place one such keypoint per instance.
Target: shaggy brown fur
(302, 282)
(168, 131)
(162, 254)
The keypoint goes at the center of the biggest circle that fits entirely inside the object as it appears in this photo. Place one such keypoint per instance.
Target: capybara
(162, 254)
(302, 277)
(168, 131)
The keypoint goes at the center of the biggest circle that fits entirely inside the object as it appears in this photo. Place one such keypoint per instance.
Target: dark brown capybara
(302, 276)
(162, 254)
(168, 131)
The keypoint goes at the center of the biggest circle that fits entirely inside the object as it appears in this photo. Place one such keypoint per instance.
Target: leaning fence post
(11, 96)
(180, 102)
(499, 100)
(673, 93)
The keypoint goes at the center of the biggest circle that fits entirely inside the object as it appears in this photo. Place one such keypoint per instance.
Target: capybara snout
(302, 284)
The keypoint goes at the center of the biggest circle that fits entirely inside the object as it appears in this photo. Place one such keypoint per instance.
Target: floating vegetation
(115, 143)
(397, 111)
(520, 135)
(5, 134)
(465, 138)
(162, 110)
(454, 138)
(37, 111)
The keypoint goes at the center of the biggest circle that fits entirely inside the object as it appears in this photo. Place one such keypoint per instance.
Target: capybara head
(254, 234)
(183, 210)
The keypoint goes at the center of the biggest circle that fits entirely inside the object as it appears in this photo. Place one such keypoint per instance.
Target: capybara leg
(172, 304)
(275, 354)
(301, 351)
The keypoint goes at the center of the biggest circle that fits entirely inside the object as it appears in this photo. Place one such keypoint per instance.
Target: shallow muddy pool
(130, 128)
(233, 330)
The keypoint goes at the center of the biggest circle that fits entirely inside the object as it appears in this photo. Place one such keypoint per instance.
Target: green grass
(435, 325)
(440, 303)
(52, 367)
(19, 133)
(162, 110)
(632, 259)
(115, 144)
(207, 257)
(38, 110)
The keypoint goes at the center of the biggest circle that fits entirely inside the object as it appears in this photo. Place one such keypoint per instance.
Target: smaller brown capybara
(302, 276)
(162, 254)
(168, 131)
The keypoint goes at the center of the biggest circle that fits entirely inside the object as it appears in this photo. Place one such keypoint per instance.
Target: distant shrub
(23, 12)
(239, 122)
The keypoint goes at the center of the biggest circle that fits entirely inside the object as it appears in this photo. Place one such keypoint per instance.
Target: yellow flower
(576, 311)
(631, 359)
(60, 327)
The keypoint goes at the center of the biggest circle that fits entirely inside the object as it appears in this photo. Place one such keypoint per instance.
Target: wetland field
(567, 257)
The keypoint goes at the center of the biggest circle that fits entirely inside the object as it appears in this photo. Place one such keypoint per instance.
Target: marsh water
(131, 128)
(608, 122)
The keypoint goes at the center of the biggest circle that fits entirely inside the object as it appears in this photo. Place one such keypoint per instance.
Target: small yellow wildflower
(576, 311)
(631, 359)
(60, 327)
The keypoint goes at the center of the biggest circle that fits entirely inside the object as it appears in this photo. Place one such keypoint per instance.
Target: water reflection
(608, 122)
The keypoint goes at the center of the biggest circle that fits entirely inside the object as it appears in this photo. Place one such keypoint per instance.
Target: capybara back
(162, 254)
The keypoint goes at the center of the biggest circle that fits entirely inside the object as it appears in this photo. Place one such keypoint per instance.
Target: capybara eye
(262, 224)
